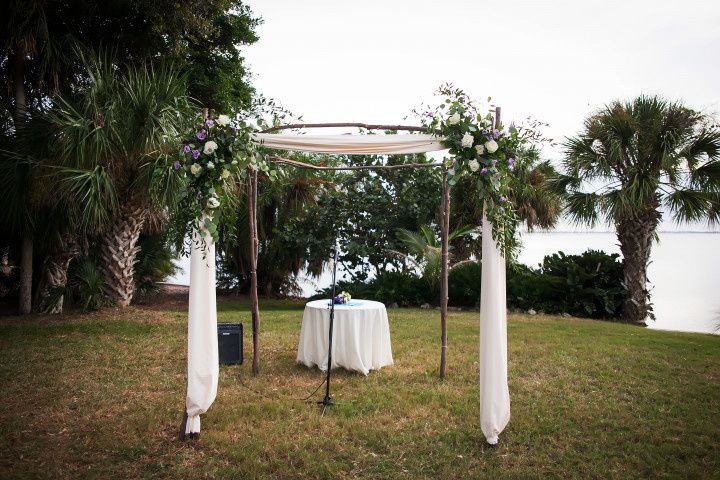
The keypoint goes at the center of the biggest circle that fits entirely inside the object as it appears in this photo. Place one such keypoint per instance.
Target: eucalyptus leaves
(485, 151)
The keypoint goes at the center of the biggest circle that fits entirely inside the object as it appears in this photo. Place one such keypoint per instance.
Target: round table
(361, 336)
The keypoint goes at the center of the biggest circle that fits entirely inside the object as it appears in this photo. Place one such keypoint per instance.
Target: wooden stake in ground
(445, 232)
(252, 221)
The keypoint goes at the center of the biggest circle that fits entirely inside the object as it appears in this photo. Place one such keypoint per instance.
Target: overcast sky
(373, 60)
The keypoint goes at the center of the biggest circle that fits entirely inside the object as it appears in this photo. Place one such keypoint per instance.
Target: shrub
(464, 285)
(585, 285)
(402, 288)
(154, 263)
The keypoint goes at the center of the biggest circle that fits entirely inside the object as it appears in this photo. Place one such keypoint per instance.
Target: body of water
(684, 273)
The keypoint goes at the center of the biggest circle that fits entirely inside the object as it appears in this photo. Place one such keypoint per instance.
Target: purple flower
(503, 199)
(186, 149)
(196, 154)
(484, 131)
(176, 165)
(511, 162)
(209, 122)
(494, 162)
(201, 134)
(484, 171)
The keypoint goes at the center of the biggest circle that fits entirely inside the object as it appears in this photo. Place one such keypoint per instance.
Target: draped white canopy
(202, 317)
(351, 144)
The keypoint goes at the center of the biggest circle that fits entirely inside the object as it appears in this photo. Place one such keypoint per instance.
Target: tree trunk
(54, 276)
(17, 62)
(252, 219)
(636, 235)
(119, 250)
(26, 273)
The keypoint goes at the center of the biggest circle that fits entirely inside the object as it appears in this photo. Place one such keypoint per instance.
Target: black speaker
(230, 343)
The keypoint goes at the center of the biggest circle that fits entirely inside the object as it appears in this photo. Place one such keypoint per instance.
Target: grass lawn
(101, 395)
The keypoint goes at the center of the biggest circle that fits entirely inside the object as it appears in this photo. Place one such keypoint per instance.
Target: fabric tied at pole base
(494, 392)
(203, 366)
(193, 425)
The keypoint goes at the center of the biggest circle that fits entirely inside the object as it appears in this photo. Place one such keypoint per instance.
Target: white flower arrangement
(210, 147)
(467, 140)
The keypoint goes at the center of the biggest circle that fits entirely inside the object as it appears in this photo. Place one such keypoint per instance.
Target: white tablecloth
(361, 336)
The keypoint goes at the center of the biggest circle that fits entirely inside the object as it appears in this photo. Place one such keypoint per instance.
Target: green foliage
(464, 282)
(154, 263)
(200, 37)
(85, 284)
(585, 285)
(402, 288)
(483, 149)
(373, 205)
(117, 139)
(296, 232)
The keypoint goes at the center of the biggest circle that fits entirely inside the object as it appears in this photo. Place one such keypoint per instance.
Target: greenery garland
(213, 159)
(483, 151)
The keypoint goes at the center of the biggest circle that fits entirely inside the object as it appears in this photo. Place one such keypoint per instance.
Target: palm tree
(425, 251)
(114, 144)
(632, 162)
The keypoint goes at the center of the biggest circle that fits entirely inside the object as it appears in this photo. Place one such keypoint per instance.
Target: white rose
(479, 149)
(225, 174)
(467, 140)
(210, 147)
(474, 165)
(223, 120)
(213, 202)
(454, 119)
(195, 168)
(491, 146)
(210, 165)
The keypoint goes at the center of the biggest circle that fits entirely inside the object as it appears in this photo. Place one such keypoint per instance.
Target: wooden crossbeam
(368, 126)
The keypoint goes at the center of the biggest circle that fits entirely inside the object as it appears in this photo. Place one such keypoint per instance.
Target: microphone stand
(328, 400)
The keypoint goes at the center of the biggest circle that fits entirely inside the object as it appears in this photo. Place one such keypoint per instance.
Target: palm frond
(688, 205)
(94, 195)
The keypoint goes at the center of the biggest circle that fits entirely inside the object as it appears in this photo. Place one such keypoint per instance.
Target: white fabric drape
(203, 366)
(361, 336)
(494, 393)
(351, 144)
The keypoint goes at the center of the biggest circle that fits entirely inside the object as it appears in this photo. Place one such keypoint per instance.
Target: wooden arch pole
(255, 307)
(445, 233)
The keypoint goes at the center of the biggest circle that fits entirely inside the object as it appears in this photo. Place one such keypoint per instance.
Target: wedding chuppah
(479, 146)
